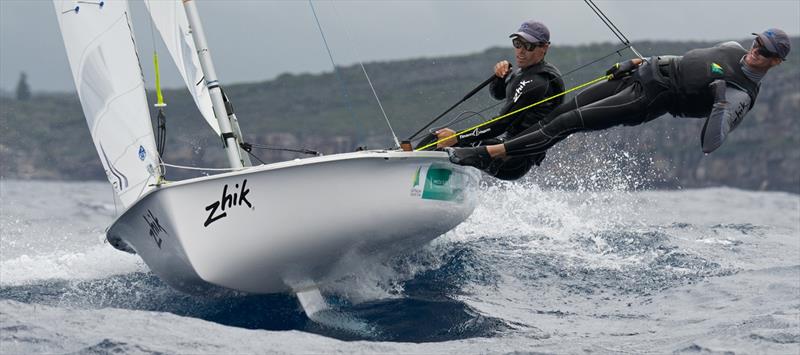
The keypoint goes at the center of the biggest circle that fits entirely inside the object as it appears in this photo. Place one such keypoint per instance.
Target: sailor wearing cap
(532, 80)
(719, 84)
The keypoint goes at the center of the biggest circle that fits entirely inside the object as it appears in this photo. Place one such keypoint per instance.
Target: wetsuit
(710, 82)
(521, 88)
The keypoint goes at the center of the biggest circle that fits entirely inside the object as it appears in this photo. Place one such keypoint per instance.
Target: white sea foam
(526, 218)
(532, 220)
(96, 262)
(599, 270)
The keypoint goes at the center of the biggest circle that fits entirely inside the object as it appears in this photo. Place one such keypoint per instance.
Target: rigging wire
(369, 81)
(330, 56)
(602, 17)
(611, 26)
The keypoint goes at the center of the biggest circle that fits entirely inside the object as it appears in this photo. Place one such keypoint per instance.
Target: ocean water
(546, 271)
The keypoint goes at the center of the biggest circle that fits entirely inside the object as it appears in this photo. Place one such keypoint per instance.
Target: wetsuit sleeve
(730, 107)
(488, 131)
(527, 92)
(497, 88)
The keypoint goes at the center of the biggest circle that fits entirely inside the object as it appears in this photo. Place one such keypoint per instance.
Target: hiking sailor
(533, 80)
(720, 83)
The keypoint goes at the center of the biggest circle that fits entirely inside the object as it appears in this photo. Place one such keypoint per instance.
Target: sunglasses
(518, 43)
(763, 51)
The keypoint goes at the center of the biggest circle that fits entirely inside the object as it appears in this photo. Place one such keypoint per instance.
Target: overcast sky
(254, 40)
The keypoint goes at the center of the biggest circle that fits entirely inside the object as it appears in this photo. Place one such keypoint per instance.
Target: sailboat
(272, 228)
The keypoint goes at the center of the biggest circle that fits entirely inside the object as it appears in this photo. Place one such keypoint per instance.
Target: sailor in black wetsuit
(720, 83)
(533, 80)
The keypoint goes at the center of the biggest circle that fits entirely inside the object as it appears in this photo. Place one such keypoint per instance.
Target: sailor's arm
(730, 106)
(530, 91)
(534, 91)
(489, 131)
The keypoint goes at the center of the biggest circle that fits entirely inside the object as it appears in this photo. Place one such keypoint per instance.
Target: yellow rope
(158, 82)
(604, 77)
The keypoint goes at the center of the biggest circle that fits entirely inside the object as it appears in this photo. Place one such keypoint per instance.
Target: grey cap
(533, 32)
(776, 41)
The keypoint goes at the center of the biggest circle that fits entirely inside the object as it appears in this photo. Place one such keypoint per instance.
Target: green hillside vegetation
(46, 136)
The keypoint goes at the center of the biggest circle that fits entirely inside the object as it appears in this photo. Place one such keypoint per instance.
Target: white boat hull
(257, 229)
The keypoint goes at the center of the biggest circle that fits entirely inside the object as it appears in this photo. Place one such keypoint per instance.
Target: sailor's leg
(623, 107)
(510, 168)
(601, 106)
(585, 97)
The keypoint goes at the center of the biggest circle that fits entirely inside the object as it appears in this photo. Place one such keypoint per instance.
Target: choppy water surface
(695, 271)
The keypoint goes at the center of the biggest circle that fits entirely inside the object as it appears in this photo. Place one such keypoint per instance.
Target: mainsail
(170, 19)
(105, 66)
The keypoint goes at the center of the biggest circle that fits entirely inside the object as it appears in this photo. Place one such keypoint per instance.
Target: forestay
(102, 55)
(170, 19)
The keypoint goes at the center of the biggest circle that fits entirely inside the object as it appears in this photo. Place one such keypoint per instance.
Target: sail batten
(170, 20)
(108, 77)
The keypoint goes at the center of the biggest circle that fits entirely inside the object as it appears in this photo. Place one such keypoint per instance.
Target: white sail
(102, 55)
(170, 19)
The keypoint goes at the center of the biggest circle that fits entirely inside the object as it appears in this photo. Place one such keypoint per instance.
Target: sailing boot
(477, 157)
(511, 168)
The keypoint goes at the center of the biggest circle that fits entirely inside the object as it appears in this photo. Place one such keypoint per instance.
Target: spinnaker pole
(228, 137)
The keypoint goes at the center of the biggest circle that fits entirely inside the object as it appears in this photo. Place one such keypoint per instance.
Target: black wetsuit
(687, 86)
(520, 89)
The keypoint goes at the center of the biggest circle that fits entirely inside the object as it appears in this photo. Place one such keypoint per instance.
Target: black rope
(161, 132)
(465, 98)
(249, 146)
(253, 155)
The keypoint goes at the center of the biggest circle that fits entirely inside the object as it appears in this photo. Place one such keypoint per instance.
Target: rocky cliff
(46, 137)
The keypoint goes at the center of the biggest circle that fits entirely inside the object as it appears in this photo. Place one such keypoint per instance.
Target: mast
(229, 139)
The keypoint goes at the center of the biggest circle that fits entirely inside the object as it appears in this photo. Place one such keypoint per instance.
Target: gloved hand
(621, 70)
(717, 88)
